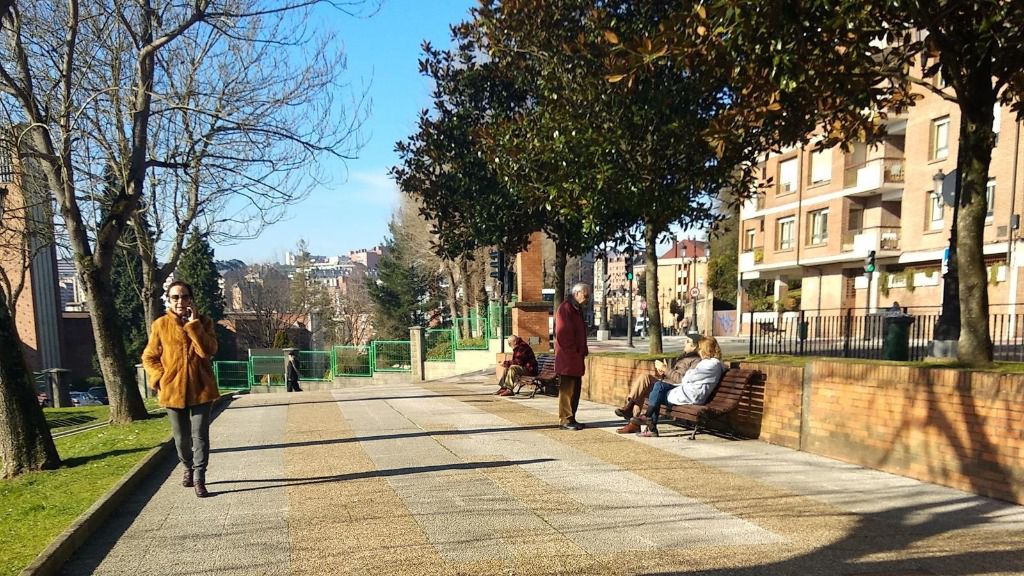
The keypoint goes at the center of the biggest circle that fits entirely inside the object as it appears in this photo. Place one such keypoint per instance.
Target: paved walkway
(444, 478)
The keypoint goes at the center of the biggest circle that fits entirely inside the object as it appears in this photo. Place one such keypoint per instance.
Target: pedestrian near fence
(178, 364)
(292, 374)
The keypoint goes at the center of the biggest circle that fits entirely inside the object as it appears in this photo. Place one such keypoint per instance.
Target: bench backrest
(545, 364)
(731, 389)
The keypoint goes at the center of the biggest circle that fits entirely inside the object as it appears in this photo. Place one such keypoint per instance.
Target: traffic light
(629, 264)
(869, 262)
(498, 264)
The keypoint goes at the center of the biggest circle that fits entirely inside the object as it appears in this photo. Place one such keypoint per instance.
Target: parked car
(84, 399)
(99, 393)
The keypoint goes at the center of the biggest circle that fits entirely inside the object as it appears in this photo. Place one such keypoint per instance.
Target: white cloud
(373, 187)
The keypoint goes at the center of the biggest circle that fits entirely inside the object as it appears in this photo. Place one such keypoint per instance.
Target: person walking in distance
(178, 364)
(292, 371)
(570, 352)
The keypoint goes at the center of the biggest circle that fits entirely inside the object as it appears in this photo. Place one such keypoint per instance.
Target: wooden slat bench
(734, 385)
(546, 380)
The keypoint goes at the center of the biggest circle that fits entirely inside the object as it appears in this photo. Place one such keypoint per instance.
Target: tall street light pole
(948, 326)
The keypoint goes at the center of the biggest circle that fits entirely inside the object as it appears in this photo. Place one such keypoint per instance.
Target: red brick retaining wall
(950, 427)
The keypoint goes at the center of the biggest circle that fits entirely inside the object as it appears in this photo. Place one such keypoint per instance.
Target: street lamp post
(947, 329)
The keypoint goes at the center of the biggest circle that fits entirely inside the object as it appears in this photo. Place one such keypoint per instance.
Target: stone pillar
(417, 353)
(601, 297)
(60, 388)
(530, 314)
(141, 380)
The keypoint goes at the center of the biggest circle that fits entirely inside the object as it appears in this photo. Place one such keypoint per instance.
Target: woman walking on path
(178, 364)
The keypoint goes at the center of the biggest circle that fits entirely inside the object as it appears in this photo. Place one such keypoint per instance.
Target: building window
(788, 171)
(784, 233)
(748, 240)
(817, 227)
(990, 197)
(997, 113)
(935, 214)
(940, 138)
(821, 166)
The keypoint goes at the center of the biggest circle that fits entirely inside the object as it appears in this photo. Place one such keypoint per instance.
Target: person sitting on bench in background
(523, 362)
(697, 385)
(643, 383)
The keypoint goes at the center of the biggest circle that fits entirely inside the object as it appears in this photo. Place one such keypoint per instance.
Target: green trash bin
(896, 337)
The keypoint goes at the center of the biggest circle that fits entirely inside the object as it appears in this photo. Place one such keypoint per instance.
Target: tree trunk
(25, 440)
(480, 297)
(453, 304)
(119, 374)
(975, 345)
(464, 286)
(561, 259)
(651, 232)
(603, 321)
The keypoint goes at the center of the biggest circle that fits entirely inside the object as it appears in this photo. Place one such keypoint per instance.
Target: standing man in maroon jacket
(570, 351)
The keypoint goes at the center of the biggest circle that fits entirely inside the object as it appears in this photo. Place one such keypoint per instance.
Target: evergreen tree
(404, 293)
(197, 267)
(125, 276)
(126, 280)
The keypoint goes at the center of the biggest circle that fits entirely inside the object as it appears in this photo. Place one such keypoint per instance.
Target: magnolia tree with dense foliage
(796, 69)
(627, 155)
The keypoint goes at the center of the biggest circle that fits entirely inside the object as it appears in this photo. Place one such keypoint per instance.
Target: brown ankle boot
(629, 428)
(626, 412)
(186, 478)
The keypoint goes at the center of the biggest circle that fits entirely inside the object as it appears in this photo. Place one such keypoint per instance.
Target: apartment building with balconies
(822, 211)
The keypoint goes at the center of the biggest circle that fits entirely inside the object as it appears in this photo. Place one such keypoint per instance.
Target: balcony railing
(882, 239)
(751, 257)
(874, 173)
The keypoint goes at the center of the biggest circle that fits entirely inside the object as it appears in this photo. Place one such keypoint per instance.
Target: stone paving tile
(443, 478)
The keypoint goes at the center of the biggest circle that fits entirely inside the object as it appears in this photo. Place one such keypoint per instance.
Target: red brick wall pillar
(530, 315)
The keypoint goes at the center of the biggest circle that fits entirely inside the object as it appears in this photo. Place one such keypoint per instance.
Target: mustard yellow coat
(178, 361)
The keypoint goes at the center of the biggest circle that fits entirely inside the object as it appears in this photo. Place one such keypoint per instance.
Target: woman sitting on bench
(698, 384)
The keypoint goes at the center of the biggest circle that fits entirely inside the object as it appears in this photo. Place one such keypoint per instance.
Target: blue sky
(353, 211)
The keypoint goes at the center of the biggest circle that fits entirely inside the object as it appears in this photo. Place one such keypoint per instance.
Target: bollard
(60, 388)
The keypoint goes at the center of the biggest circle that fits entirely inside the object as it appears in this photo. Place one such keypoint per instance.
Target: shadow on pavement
(284, 482)
(385, 437)
(87, 558)
(366, 399)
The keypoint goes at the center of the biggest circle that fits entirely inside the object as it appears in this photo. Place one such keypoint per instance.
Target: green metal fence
(472, 333)
(266, 370)
(391, 356)
(440, 345)
(232, 375)
(352, 361)
(314, 365)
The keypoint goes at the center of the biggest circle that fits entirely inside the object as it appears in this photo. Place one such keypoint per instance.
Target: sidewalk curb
(52, 558)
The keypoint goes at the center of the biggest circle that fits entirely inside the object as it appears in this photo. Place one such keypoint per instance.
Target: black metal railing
(859, 333)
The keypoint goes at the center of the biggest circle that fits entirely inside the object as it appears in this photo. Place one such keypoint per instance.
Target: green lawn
(66, 419)
(35, 508)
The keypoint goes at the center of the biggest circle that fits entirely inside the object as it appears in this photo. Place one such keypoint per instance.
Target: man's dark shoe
(571, 426)
(625, 412)
(201, 490)
(186, 479)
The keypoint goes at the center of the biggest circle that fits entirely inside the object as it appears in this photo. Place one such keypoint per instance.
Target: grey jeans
(191, 429)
